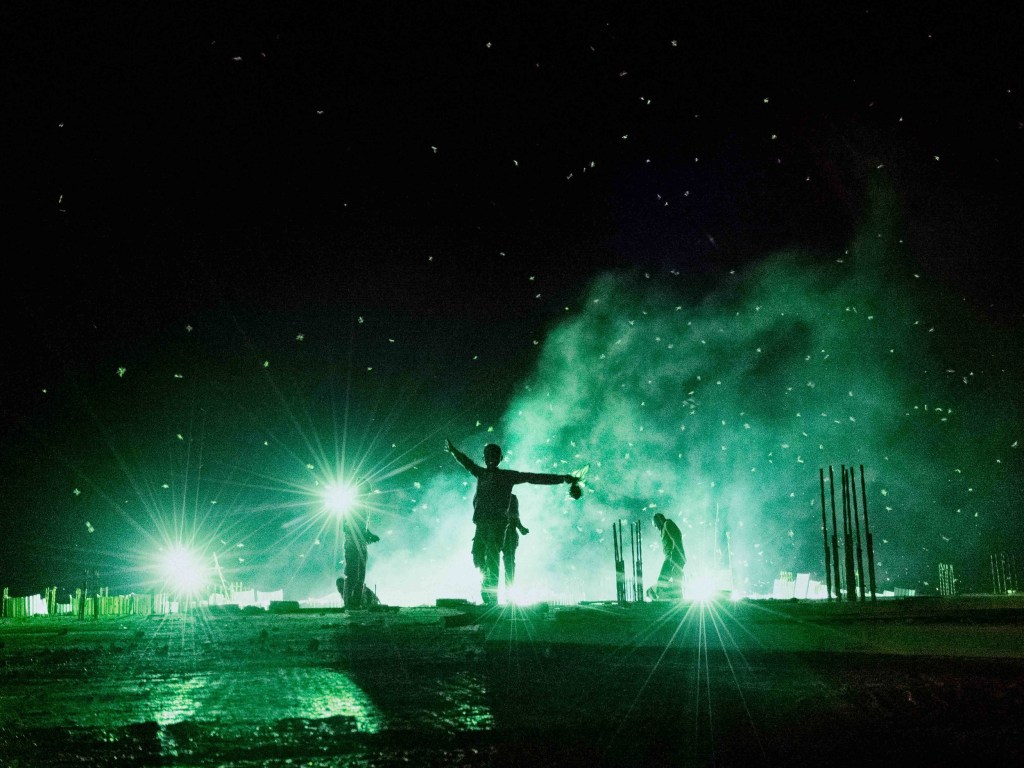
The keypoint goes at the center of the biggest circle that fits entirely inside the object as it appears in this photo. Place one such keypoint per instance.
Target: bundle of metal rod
(854, 572)
(947, 581)
(824, 534)
(1004, 573)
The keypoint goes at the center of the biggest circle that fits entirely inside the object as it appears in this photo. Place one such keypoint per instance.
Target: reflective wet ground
(430, 686)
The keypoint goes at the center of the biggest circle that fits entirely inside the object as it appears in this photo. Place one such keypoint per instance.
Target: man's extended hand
(448, 446)
(372, 538)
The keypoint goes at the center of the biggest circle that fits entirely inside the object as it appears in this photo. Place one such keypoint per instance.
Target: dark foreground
(769, 683)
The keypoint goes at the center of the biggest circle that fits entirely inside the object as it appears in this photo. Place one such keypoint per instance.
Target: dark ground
(730, 684)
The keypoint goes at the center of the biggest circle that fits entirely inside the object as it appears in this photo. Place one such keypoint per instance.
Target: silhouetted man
(511, 541)
(355, 525)
(670, 579)
(490, 509)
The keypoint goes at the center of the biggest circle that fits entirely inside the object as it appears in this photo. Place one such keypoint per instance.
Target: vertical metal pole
(856, 529)
(638, 592)
(615, 548)
(851, 576)
(824, 534)
(632, 564)
(867, 533)
(639, 563)
(835, 533)
(620, 576)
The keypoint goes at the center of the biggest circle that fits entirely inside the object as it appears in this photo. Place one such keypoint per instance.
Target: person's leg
(491, 566)
(355, 575)
(478, 548)
(510, 566)
(489, 585)
(670, 581)
(361, 578)
(665, 587)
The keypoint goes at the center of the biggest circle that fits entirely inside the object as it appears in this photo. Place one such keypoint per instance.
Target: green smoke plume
(719, 410)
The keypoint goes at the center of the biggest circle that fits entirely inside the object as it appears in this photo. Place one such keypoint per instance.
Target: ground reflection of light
(521, 595)
(341, 696)
(270, 695)
(177, 699)
(704, 631)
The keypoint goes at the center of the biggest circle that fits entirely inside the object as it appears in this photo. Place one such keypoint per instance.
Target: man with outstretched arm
(491, 509)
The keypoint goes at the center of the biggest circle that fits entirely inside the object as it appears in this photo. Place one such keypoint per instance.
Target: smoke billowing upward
(719, 409)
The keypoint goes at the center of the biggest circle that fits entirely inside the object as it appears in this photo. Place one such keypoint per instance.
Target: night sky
(705, 251)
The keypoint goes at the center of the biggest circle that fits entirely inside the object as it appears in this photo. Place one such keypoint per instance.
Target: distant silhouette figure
(511, 541)
(355, 525)
(670, 579)
(491, 509)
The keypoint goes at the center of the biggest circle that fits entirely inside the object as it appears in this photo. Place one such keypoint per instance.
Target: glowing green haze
(725, 406)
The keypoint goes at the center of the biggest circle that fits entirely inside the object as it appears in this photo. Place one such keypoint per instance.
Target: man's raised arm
(541, 478)
(460, 457)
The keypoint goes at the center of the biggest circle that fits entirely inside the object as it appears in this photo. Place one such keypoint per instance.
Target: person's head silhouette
(659, 521)
(492, 455)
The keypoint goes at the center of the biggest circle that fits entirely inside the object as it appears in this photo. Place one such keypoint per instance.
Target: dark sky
(263, 213)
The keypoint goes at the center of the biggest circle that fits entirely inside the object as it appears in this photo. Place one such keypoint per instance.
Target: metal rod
(632, 554)
(619, 565)
(856, 528)
(851, 576)
(638, 592)
(867, 533)
(835, 534)
(640, 563)
(824, 534)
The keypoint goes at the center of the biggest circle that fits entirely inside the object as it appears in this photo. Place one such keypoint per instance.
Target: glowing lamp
(702, 589)
(184, 570)
(340, 498)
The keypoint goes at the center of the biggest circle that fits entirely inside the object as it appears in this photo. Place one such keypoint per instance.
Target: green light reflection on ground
(177, 699)
(264, 697)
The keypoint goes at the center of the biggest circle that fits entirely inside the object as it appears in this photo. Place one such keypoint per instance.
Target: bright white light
(702, 589)
(340, 498)
(183, 570)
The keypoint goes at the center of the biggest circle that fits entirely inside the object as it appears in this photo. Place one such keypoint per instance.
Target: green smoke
(718, 411)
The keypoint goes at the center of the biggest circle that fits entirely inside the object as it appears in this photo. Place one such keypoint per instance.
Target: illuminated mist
(718, 410)
(715, 406)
